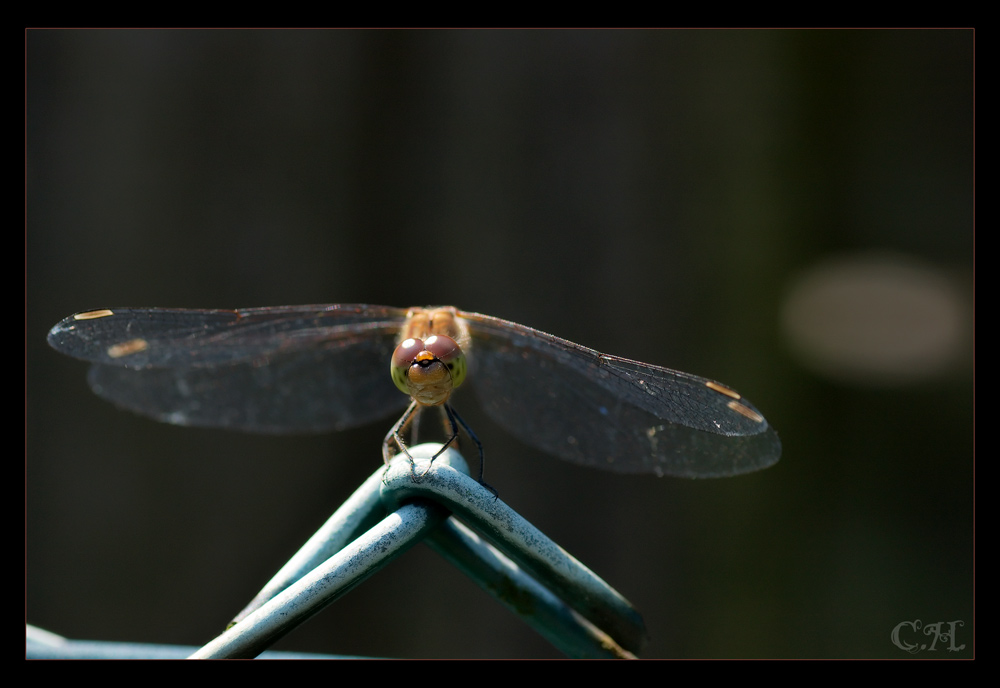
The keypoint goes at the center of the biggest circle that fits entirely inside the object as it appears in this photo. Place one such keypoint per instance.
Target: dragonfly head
(428, 370)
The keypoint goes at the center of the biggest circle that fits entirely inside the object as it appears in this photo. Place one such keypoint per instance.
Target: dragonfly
(309, 369)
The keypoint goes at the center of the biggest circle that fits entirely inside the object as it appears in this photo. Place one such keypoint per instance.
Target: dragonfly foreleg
(395, 435)
(453, 417)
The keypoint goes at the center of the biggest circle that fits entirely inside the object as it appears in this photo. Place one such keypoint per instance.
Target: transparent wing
(317, 368)
(288, 369)
(613, 413)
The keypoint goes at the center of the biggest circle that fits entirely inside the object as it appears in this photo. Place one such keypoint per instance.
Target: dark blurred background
(789, 212)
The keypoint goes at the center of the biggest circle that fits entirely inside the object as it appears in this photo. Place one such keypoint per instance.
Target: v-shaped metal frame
(403, 504)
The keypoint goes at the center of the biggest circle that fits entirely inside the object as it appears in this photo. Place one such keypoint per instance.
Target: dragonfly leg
(453, 417)
(447, 410)
(411, 416)
(395, 436)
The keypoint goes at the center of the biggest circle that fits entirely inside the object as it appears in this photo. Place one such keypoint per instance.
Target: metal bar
(42, 644)
(396, 533)
(509, 532)
(556, 621)
(524, 570)
(362, 510)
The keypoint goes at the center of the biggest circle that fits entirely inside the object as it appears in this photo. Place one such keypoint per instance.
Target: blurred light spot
(876, 319)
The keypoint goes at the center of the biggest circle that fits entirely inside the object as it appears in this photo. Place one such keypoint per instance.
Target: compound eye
(442, 346)
(402, 358)
(447, 350)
